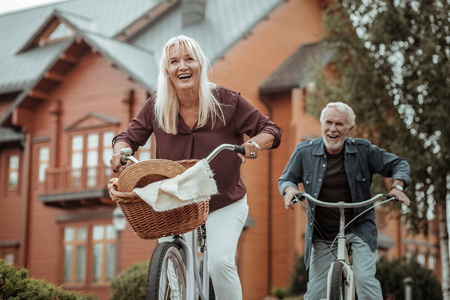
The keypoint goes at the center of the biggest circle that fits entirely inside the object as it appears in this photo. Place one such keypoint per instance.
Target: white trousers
(223, 229)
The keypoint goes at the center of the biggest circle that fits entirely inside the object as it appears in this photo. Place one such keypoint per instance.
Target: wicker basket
(150, 224)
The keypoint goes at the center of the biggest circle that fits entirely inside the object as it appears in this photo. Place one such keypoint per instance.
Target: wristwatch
(398, 187)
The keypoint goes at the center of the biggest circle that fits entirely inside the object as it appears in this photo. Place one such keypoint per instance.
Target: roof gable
(92, 120)
(54, 27)
(294, 72)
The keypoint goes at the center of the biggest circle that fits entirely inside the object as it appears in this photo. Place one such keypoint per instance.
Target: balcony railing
(71, 180)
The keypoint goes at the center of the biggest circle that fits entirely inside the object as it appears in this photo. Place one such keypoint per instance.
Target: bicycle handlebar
(128, 152)
(302, 195)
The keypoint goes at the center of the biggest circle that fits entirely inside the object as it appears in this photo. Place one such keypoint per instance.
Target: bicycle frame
(190, 255)
(342, 254)
(192, 268)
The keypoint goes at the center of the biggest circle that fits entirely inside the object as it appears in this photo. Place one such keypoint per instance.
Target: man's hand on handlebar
(401, 196)
(289, 193)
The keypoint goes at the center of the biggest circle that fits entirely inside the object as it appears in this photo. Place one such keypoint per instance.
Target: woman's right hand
(117, 163)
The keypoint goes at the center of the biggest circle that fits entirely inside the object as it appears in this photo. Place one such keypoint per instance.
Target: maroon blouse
(240, 118)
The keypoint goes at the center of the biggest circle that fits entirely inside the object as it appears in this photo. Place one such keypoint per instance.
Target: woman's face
(183, 69)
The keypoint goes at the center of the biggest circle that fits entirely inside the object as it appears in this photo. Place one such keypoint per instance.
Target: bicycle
(340, 281)
(175, 271)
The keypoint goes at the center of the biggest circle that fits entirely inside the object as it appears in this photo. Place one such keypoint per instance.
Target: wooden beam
(69, 58)
(22, 117)
(38, 94)
(53, 76)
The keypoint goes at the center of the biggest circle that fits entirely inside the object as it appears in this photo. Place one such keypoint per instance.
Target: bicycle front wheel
(167, 273)
(337, 287)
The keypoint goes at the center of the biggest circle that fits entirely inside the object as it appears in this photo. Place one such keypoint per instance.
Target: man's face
(335, 128)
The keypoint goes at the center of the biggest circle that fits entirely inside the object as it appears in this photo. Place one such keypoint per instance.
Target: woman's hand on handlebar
(118, 164)
(289, 193)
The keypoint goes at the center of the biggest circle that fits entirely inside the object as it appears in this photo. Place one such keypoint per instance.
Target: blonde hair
(341, 107)
(166, 102)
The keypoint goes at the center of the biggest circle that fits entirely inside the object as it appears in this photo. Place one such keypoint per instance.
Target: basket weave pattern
(150, 224)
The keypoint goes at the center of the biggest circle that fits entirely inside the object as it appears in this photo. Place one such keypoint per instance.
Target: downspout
(265, 100)
(26, 167)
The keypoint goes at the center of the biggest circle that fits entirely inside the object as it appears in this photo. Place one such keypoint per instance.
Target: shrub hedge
(16, 285)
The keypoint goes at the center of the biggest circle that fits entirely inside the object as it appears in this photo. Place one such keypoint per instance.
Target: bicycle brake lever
(298, 197)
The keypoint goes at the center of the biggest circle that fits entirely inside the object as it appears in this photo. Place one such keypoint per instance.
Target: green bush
(131, 283)
(16, 285)
(392, 273)
(87, 297)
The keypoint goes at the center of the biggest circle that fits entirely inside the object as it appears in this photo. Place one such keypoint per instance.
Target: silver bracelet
(253, 142)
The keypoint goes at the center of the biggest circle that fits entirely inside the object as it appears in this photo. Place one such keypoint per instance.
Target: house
(73, 74)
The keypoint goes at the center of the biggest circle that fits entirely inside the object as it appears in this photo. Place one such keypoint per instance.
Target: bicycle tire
(159, 285)
(337, 287)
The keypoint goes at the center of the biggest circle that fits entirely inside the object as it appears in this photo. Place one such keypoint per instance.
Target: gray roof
(101, 22)
(8, 135)
(139, 63)
(226, 21)
(296, 71)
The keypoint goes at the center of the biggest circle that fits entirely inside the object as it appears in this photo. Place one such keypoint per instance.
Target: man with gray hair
(337, 168)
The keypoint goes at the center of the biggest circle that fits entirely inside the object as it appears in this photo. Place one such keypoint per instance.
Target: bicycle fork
(342, 255)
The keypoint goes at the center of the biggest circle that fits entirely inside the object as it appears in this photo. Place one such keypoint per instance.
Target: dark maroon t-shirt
(240, 118)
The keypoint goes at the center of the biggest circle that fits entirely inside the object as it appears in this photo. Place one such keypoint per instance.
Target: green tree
(390, 63)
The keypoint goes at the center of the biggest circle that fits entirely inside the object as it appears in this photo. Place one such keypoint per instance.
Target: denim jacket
(362, 159)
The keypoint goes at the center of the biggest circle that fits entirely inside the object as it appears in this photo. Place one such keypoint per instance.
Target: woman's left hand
(252, 150)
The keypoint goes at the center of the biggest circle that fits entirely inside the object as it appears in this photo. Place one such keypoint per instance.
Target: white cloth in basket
(193, 185)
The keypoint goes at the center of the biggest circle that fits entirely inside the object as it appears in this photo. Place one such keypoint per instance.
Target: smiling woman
(190, 116)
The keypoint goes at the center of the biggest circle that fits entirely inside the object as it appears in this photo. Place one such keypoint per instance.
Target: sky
(7, 6)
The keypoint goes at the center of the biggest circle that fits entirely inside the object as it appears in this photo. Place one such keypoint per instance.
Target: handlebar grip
(299, 196)
(239, 149)
(387, 196)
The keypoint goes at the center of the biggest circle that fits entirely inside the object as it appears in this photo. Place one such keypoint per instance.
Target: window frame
(88, 281)
(5, 181)
(38, 161)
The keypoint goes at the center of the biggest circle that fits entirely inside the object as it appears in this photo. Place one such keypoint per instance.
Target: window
(77, 159)
(107, 151)
(75, 259)
(431, 262)
(43, 162)
(9, 257)
(104, 238)
(421, 259)
(92, 159)
(144, 151)
(13, 173)
(90, 156)
(89, 254)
